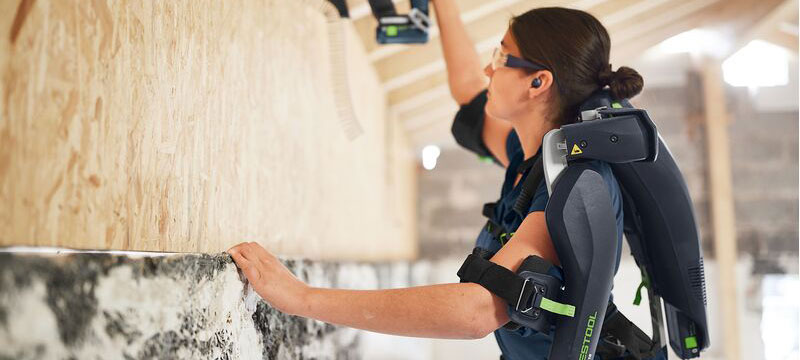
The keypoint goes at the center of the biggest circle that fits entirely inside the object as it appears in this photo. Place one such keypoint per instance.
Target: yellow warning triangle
(576, 150)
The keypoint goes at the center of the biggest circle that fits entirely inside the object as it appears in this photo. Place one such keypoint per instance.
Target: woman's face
(509, 88)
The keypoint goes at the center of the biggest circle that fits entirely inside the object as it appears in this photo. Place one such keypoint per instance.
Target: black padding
(523, 291)
(536, 271)
(495, 278)
(661, 229)
(582, 226)
(467, 126)
(662, 232)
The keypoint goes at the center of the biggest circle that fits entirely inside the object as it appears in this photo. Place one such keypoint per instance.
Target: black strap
(488, 209)
(529, 185)
(381, 8)
(495, 278)
(620, 334)
(527, 164)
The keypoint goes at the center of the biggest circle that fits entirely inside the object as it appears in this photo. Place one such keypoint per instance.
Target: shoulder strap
(529, 186)
(620, 334)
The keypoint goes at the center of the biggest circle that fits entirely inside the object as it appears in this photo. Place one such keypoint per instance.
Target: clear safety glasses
(500, 59)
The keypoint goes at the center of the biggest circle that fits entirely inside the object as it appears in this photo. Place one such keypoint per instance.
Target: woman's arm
(460, 310)
(445, 311)
(465, 75)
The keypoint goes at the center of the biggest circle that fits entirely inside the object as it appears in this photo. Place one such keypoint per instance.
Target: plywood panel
(191, 126)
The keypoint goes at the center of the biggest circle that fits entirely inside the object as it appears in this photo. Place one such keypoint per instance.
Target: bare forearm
(455, 311)
(464, 74)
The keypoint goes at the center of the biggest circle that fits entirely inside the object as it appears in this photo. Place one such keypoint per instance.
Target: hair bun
(625, 83)
(605, 76)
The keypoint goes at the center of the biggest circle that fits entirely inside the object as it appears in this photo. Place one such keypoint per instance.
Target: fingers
(259, 252)
(243, 257)
(251, 253)
(245, 249)
(240, 260)
(237, 248)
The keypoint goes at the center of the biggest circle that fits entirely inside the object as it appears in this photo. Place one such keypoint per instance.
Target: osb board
(191, 126)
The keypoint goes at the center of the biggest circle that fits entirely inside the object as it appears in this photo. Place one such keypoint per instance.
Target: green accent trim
(644, 284)
(504, 237)
(486, 159)
(637, 300)
(557, 307)
(691, 342)
(391, 30)
(616, 105)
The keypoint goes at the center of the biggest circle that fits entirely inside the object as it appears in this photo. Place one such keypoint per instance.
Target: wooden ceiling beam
(427, 101)
(769, 27)
(404, 86)
(730, 17)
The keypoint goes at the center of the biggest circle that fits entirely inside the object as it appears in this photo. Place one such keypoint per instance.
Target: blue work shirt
(526, 343)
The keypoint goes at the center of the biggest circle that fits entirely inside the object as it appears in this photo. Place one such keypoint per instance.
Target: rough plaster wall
(107, 306)
(191, 126)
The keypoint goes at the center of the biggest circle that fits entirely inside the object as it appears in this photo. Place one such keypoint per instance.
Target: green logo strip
(557, 307)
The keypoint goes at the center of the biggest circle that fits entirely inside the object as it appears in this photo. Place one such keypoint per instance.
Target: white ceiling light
(757, 64)
(430, 154)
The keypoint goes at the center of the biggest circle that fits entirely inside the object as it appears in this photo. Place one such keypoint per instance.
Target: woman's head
(573, 47)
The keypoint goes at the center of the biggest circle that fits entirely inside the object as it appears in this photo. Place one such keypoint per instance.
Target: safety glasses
(500, 59)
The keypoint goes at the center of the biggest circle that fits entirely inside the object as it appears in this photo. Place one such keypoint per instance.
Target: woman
(558, 58)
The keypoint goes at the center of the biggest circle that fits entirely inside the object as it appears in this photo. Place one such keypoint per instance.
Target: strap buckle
(522, 292)
(539, 302)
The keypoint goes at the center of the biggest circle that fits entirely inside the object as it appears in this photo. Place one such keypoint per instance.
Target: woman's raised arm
(465, 75)
(464, 71)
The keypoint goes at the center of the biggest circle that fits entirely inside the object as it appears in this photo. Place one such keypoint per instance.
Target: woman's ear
(540, 83)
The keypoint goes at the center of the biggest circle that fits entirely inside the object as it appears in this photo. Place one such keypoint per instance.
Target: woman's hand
(270, 279)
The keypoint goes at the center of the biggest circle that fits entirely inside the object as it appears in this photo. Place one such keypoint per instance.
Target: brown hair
(575, 46)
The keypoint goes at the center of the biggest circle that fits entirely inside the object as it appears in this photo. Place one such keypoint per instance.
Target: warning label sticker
(576, 150)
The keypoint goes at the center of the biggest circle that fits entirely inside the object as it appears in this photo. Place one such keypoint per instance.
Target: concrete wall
(194, 125)
(149, 306)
